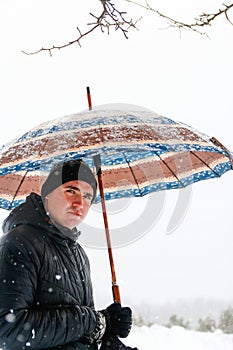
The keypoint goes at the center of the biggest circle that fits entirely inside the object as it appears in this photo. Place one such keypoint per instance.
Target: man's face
(69, 203)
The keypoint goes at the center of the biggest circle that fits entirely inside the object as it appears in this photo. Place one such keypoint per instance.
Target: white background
(184, 76)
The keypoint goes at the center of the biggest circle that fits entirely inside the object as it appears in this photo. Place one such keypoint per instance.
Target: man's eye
(88, 197)
(70, 191)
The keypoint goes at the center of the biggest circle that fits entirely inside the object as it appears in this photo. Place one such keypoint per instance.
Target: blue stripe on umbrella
(133, 153)
(219, 169)
(92, 122)
(5, 204)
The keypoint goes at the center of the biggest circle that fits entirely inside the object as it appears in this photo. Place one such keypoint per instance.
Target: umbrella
(141, 152)
(134, 152)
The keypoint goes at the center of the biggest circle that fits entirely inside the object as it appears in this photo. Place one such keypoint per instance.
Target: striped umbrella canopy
(141, 152)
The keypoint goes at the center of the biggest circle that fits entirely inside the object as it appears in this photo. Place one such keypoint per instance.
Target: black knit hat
(68, 171)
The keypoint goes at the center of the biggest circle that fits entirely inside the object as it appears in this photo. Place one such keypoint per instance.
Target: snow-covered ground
(177, 338)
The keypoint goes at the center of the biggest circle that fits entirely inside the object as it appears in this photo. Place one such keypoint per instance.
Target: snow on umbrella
(136, 152)
(141, 152)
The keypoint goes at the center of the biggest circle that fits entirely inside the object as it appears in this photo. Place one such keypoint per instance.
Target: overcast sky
(184, 76)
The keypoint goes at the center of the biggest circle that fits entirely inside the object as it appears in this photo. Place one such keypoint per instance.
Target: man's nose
(78, 201)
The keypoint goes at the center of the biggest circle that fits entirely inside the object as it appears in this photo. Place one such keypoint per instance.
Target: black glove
(118, 320)
(111, 342)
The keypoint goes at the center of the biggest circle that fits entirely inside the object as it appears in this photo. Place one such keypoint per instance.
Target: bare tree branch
(110, 17)
(226, 14)
(205, 19)
(50, 49)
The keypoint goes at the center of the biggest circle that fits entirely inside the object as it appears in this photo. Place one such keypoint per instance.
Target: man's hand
(118, 320)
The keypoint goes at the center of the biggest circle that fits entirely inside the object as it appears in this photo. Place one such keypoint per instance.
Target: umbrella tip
(89, 98)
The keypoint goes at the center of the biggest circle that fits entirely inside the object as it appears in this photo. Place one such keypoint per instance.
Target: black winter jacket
(46, 296)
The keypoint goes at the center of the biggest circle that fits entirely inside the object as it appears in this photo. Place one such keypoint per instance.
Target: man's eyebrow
(72, 187)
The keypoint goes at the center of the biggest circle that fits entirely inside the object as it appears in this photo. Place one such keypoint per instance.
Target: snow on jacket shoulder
(45, 287)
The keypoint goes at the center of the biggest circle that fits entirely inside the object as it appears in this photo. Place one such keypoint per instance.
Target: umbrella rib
(206, 164)
(170, 169)
(17, 190)
(135, 179)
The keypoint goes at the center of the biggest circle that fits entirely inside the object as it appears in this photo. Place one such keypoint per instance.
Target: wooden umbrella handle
(115, 287)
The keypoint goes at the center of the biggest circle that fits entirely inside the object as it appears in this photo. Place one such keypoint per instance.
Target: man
(46, 299)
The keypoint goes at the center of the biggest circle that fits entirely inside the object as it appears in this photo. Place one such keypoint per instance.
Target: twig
(204, 19)
(64, 45)
(110, 17)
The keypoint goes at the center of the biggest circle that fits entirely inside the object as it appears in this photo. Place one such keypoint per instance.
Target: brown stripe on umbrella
(169, 168)
(173, 167)
(187, 163)
(12, 184)
(60, 142)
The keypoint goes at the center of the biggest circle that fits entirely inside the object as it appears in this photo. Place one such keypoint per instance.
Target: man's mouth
(77, 213)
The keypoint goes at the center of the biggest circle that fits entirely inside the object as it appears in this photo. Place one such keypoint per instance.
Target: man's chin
(73, 222)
